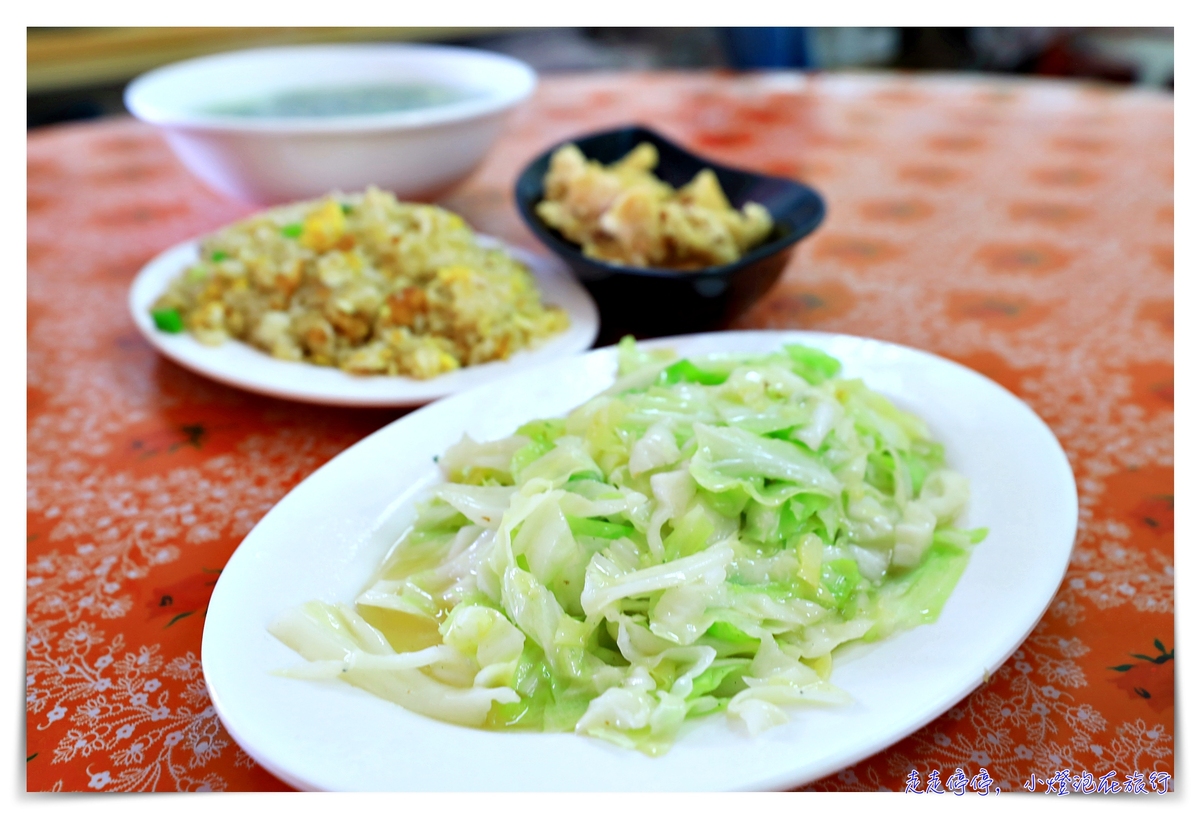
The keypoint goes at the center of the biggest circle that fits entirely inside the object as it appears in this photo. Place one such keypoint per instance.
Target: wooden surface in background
(64, 58)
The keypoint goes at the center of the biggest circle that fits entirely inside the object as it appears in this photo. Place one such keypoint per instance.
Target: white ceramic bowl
(417, 153)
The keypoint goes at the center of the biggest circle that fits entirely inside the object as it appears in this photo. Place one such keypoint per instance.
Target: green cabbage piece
(811, 364)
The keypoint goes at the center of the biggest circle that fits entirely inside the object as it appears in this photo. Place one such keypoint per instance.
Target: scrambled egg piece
(624, 214)
(364, 283)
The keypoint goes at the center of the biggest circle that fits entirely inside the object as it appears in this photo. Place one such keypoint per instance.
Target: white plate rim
(238, 364)
(1060, 541)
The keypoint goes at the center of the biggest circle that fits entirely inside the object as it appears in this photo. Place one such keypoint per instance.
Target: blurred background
(80, 73)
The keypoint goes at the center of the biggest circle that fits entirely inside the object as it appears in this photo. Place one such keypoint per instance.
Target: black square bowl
(649, 301)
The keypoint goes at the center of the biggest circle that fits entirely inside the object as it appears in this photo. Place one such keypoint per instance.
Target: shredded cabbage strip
(701, 537)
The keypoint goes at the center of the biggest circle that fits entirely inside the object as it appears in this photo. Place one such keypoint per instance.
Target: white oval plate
(323, 540)
(242, 365)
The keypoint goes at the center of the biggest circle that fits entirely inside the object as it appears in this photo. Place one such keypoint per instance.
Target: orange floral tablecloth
(1023, 228)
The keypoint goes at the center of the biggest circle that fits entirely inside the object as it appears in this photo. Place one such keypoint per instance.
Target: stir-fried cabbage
(700, 537)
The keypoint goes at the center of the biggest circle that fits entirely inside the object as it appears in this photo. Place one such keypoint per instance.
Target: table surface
(1023, 228)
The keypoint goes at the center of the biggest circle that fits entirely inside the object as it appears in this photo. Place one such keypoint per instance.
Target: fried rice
(364, 283)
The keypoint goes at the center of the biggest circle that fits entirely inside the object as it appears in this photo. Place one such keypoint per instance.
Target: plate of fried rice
(358, 300)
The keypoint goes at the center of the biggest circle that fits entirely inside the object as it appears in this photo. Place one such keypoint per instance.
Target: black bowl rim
(552, 238)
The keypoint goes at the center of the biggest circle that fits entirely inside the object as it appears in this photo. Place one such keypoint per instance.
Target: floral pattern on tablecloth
(1023, 228)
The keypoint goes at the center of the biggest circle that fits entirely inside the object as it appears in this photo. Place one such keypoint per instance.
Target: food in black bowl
(666, 283)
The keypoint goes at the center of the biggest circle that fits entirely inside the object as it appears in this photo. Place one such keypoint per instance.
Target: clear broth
(357, 100)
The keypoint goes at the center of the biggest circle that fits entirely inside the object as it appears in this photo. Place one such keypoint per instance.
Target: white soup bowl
(417, 153)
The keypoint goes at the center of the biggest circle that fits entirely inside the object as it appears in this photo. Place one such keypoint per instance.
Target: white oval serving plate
(323, 540)
(241, 365)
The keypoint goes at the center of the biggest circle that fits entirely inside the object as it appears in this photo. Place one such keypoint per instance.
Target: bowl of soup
(272, 125)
